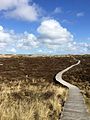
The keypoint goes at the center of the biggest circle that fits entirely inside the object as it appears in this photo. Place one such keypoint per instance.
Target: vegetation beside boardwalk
(21, 100)
(28, 90)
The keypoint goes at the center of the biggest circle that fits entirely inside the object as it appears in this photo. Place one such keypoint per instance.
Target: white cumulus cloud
(8, 4)
(6, 38)
(13, 50)
(27, 41)
(52, 37)
(20, 9)
(59, 39)
(11, 42)
(53, 34)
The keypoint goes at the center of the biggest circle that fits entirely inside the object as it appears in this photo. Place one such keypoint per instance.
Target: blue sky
(45, 26)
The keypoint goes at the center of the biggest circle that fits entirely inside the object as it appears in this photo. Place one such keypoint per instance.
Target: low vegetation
(21, 100)
(28, 90)
(87, 101)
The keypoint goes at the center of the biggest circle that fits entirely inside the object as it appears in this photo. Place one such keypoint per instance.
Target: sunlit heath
(44, 59)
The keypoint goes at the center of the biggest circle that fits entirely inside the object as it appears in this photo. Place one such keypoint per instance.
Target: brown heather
(28, 90)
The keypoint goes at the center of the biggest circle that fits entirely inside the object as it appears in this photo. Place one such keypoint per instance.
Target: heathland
(28, 90)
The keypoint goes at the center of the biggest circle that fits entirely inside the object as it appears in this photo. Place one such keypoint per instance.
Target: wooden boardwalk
(74, 108)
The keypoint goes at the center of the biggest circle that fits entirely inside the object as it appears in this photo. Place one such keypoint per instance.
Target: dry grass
(87, 101)
(27, 87)
(31, 101)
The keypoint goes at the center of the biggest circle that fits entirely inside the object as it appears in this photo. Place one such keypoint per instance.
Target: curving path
(74, 108)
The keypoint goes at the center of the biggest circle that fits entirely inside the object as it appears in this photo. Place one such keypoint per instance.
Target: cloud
(20, 9)
(57, 10)
(58, 39)
(5, 5)
(10, 4)
(52, 38)
(80, 14)
(24, 12)
(13, 50)
(53, 35)
(84, 47)
(1, 28)
(6, 38)
(11, 42)
(27, 41)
